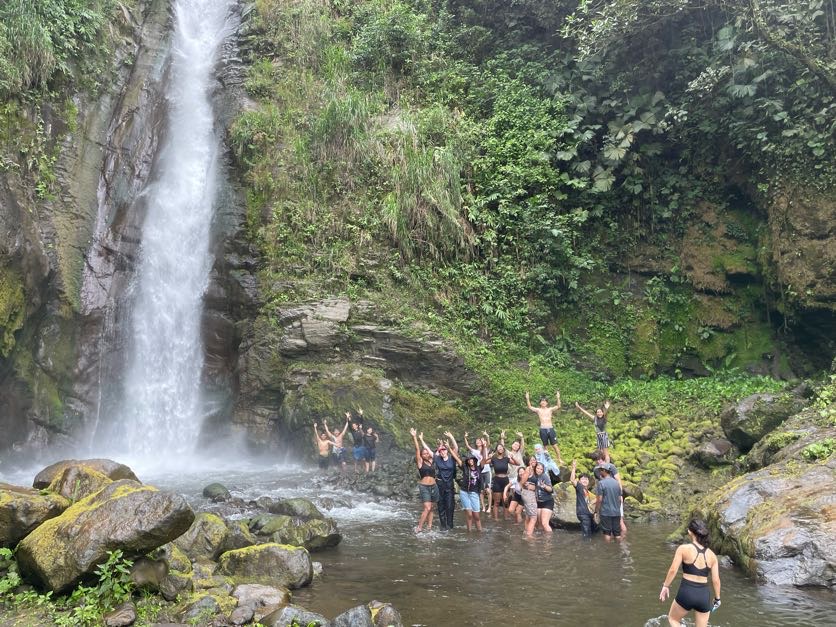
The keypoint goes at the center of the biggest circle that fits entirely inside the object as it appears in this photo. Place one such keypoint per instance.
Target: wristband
(716, 604)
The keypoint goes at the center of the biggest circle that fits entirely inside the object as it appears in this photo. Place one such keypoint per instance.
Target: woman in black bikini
(500, 463)
(697, 561)
(427, 489)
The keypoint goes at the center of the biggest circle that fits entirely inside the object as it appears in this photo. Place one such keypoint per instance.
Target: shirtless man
(339, 449)
(323, 445)
(547, 434)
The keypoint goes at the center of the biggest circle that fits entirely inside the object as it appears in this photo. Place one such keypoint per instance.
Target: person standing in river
(323, 445)
(582, 511)
(600, 462)
(548, 436)
(516, 454)
(600, 422)
(480, 453)
(544, 493)
(445, 476)
(697, 561)
(427, 488)
(528, 482)
(339, 448)
(513, 493)
(358, 452)
(500, 463)
(608, 504)
(470, 486)
(370, 440)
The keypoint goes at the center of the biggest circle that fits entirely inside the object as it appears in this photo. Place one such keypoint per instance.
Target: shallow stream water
(498, 577)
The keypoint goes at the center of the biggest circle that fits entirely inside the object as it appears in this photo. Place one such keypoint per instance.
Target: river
(498, 577)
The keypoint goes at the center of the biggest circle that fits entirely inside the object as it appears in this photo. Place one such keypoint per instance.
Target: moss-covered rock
(12, 307)
(206, 537)
(271, 564)
(752, 418)
(78, 481)
(124, 516)
(779, 523)
(216, 492)
(290, 615)
(22, 510)
(109, 468)
(296, 507)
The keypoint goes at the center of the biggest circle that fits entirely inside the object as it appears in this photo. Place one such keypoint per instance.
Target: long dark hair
(698, 527)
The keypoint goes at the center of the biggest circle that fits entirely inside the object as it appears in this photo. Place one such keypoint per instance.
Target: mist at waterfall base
(158, 416)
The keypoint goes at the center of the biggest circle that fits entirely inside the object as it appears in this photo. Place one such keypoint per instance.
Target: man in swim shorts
(547, 433)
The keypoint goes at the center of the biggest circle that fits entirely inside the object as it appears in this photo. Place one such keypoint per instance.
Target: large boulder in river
(779, 523)
(292, 615)
(564, 515)
(217, 492)
(714, 453)
(124, 515)
(298, 508)
(752, 418)
(360, 616)
(109, 468)
(22, 510)
(271, 564)
(206, 537)
(77, 482)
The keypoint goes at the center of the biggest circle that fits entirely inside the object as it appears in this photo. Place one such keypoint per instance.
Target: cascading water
(161, 413)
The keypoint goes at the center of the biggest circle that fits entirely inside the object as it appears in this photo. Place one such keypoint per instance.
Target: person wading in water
(339, 449)
(323, 445)
(548, 436)
(698, 562)
(427, 489)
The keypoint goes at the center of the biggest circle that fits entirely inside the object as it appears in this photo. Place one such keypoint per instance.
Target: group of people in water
(505, 477)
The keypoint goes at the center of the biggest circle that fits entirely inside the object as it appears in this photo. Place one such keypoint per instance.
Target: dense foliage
(501, 160)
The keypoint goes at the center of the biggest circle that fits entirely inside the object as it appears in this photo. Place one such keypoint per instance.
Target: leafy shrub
(819, 450)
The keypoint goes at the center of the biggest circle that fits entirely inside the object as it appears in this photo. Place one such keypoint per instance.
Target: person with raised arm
(582, 511)
(500, 463)
(528, 482)
(323, 445)
(599, 419)
(698, 562)
(358, 452)
(516, 454)
(427, 488)
(339, 448)
(548, 436)
(470, 485)
(445, 477)
(544, 493)
(370, 440)
(478, 451)
(513, 494)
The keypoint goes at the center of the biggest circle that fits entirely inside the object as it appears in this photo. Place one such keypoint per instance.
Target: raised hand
(413, 432)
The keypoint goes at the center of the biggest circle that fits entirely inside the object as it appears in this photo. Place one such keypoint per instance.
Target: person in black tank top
(500, 462)
(427, 488)
(698, 562)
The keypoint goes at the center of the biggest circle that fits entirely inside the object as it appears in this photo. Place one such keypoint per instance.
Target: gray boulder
(271, 564)
(109, 468)
(359, 616)
(298, 508)
(207, 537)
(752, 418)
(77, 482)
(564, 516)
(199, 610)
(385, 614)
(122, 616)
(257, 595)
(292, 616)
(22, 510)
(216, 492)
(124, 515)
(714, 453)
(778, 523)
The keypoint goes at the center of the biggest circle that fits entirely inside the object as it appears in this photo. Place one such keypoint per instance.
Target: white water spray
(162, 410)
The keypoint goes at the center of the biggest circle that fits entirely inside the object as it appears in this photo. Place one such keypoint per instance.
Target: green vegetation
(83, 607)
(485, 170)
(819, 450)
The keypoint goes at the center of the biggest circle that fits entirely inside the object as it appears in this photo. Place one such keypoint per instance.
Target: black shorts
(498, 484)
(693, 596)
(371, 454)
(611, 526)
(548, 436)
(517, 498)
(547, 504)
(323, 461)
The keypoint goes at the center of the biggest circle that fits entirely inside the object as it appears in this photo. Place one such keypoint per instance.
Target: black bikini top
(690, 569)
(426, 470)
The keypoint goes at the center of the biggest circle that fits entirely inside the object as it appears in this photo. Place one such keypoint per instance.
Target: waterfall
(161, 413)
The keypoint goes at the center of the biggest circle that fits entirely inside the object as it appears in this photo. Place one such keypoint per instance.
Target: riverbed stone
(176, 559)
(714, 453)
(563, 515)
(360, 616)
(779, 523)
(239, 536)
(202, 609)
(297, 507)
(756, 415)
(242, 615)
(271, 564)
(291, 615)
(109, 468)
(174, 584)
(216, 492)
(205, 538)
(124, 515)
(22, 510)
(257, 595)
(385, 614)
(77, 482)
(122, 616)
